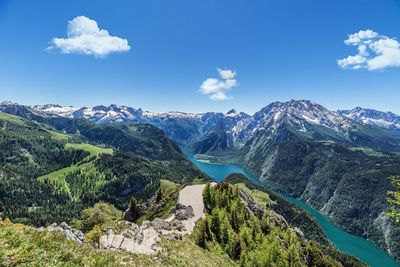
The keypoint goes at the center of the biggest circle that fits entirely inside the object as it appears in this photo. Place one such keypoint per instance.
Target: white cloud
(216, 88)
(375, 51)
(226, 74)
(85, 37)
(360, 36)
(218, 96)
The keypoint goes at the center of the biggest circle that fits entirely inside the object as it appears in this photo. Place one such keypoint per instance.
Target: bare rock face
(68, 231)
(134, 239)
(174, 225)
(278, 219)
(258, 210)
(251, 206)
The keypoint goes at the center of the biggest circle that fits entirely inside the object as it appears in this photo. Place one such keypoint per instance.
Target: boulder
(174, 225)
(160, 224)
(117, 241)
(177, 225)
(183, 212)
(145, 224)
(127, 245)
(68, 231)
(278, 219)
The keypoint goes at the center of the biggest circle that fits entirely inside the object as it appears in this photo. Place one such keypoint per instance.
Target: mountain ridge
(188, 129)
(388, 119)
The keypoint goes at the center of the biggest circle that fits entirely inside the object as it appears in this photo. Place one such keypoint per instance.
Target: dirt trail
(192, 195)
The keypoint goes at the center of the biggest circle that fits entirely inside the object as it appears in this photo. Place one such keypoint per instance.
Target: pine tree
(207, 196)
(393, 198)
(159, 195)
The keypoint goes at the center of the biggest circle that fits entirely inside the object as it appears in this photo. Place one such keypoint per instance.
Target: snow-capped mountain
(233, 126)
(300, 114)
(101, 114)
(56, 110)
(185, 128)
(373, 117)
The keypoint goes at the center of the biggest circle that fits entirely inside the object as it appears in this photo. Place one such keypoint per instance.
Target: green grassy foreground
(22, 245)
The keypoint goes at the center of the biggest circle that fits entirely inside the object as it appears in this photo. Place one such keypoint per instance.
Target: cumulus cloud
(216, 88)
(375, 51)
(85, 37)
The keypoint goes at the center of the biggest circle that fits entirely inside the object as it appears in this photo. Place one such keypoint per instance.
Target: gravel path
(192, 195)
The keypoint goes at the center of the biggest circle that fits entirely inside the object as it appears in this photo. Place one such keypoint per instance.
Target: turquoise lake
(351, 244)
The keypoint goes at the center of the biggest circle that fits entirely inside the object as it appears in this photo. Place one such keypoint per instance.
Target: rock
(65, 226)
(110, 237)
(135, 228)
(127, 245)
(278, 219)
(128, 233)
(251, 206)
(178, 206)
(183, 212)
(178, 225)
(172, 236)
(174, 225)
(103, 241)
(68, 231)
(299, 234)
(160, 224)
(146, 224)
(117, 241)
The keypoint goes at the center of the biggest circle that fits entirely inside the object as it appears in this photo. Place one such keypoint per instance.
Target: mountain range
(115, 113)
(71, 170)
(189, 128)
(339, 162)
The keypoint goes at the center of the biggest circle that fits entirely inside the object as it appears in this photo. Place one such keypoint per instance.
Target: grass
(13, 119)
(260, 197)
(166, 185)
(368, 151)
(23, 122)
(93, 150)
(58, 177)
(59, 136)
(21, 245)
(198, 181)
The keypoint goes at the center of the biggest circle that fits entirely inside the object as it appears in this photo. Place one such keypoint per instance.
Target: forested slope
(50, 172)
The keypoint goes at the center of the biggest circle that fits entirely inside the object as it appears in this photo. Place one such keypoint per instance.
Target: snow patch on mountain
(66, 111)
(373, 117)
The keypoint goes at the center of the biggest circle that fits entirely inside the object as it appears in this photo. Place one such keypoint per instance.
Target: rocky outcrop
(277, 219)
(68, 231)
(174, 225)
(183, 212)
(299, 234)
(258, 210)
(144, 239)
(252, 206)
(135, 239)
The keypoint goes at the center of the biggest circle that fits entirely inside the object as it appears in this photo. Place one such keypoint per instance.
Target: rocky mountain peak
(300, 113)
(387, 120)
(232, 112)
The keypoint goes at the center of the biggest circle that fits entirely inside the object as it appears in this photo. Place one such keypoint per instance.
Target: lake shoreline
(356, 246)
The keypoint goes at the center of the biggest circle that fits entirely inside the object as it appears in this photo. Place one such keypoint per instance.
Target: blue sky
(279, 50)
